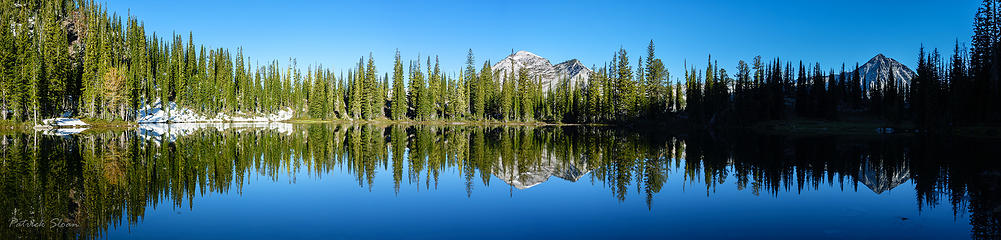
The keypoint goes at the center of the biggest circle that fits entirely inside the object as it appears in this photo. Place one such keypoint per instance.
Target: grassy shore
(793, 127)
(120, 124)
(93, 123)
(14, 125)
(100, 123)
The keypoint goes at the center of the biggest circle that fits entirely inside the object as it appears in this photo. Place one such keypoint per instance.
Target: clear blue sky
(337, 33)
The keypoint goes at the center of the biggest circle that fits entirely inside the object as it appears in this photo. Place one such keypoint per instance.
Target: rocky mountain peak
(540, 67)
(877, 71)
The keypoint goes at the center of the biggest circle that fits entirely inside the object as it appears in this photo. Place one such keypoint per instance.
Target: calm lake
(306, 181)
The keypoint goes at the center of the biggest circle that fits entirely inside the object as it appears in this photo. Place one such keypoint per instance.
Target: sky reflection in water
(322, 181)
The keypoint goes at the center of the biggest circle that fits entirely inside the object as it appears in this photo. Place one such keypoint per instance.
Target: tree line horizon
(70, 57)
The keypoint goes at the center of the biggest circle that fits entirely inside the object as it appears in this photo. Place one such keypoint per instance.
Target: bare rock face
(574, 71)
(540, 68)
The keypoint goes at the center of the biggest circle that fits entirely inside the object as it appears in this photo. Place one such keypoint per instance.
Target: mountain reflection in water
(97, 179)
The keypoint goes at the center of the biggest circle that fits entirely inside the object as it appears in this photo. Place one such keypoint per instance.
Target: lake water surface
(284, 181)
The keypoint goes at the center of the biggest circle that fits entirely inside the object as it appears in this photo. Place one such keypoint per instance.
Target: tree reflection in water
(98, 179)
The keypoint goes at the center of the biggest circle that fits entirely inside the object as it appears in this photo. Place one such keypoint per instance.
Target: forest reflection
(98, 180)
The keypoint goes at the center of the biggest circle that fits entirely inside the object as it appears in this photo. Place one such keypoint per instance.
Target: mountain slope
(575, 71)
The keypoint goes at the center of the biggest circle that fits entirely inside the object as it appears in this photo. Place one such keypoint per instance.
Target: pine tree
(525, 96)
(802, 89)
(656, 74)
(357, 99)
(640, 89)
(891, 100)
(373, 102)
(91, 64)
(593, 98)
(399, 103)
(985, 63)
(415, 86)
(488, 89)
(959, 83)
(240, 83)
(858, 94)
(437, 87)
(477, 90)
(421, 93)
(385, 96)
(317, 96)
(54, 56)
(192, 71)
(625, 87)
(458, 103)
(8, 71)
(34, 73)
(338, 96)
(919, 86)
(507, 96)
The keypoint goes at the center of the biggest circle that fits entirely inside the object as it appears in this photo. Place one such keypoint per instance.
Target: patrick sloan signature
(18, 221)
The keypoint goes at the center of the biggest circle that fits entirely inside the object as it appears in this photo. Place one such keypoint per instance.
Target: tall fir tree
(399, 102)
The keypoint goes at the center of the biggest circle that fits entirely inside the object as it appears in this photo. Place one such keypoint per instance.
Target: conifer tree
(9, 99)
(625, 87)
(476, 88)
(372, 101)
(525, 96)
(420, 93)
(656, 74)
(487, 91)
(357, 90)
(399, 102)
(317, 96)
(507, 96)
(436, 96)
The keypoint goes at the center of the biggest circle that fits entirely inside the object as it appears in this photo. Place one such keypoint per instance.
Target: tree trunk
(3, 111)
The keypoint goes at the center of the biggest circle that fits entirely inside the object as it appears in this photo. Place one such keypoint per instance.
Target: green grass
(100, 123)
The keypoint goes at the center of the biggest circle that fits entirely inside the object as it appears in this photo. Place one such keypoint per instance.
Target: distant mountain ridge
(540, 67)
